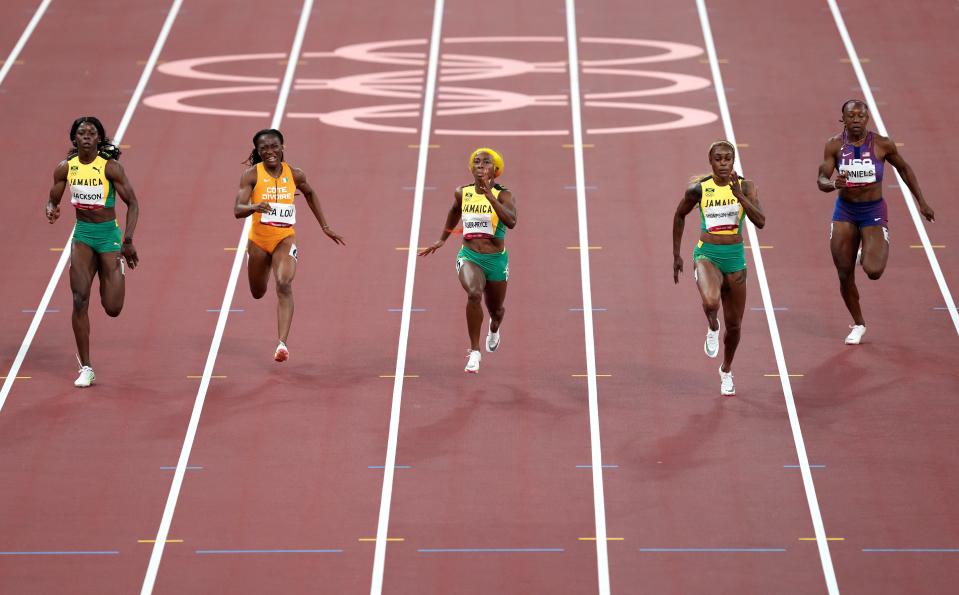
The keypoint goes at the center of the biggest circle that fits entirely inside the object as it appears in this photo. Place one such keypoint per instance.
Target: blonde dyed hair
(497, 160)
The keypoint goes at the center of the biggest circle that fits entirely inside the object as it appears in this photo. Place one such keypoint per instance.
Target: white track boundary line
(24, 37)
(814, 512)
(386, 497)
(164, 530)
(881, 128)
(65, 255)
(596, 452)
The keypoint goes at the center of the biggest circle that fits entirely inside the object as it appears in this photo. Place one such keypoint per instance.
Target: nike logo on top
(847, 154)
(877, 219)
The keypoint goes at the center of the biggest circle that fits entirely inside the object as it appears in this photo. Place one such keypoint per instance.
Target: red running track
(488, 461)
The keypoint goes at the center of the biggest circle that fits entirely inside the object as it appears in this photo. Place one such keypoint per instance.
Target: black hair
(254, 155)
(853, 102)
(105, 146)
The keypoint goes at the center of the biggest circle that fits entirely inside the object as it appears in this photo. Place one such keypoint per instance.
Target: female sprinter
(266, 192)
(98, 247)
(482, 263)
(719, 260)
(860, 215)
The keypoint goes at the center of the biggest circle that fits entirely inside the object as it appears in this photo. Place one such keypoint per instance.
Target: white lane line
(596, 452)
(65, 255)
(881, 128)
(383, 524)
(813, 503)
(164, 530)
(24, 37)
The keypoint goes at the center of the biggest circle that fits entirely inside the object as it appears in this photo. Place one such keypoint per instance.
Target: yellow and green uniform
(481, 221)
(720, 214)
(90, 190)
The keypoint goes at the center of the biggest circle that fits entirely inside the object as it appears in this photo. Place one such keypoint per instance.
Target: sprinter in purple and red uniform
(860, 215)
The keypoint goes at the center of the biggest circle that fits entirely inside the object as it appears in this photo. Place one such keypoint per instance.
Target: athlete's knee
(711, 304)
(733, 327)
(873, 272)
(497, 313)
(81, 301)
(284, 288)
(112, 310)
(473, 296)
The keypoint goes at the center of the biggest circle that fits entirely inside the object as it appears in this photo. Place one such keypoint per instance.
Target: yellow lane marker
(911, 246)
(585, 146)
(230, 249)
(607, 539)
(790, 375)
(742, 145)
(587, 247)
(587, 375)
(404, 375)
(861, 60)
(198, 377)
(15, 62)
(124, 146)
(900, 144)
(17, 377)
(427, 146)
(827, 539)
(387, 539)
(154, 541)
(407, 248)
(56, 249)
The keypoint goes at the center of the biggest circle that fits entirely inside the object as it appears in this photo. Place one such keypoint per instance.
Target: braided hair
(105, 146)
(254, 157)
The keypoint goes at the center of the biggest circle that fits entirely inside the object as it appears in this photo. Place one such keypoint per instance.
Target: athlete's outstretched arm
(56, 191)
(243, 207)
(689, 201)
(893, 156)
(116, 175)
(299, 178)
(452, 218)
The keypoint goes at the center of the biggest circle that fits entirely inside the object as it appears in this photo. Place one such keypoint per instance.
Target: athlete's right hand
(677, 268)
(261, 207)
(53, 212)
(432, 248)
(840, 182)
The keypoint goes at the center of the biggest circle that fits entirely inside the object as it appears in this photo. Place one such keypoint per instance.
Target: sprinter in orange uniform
(266, 191)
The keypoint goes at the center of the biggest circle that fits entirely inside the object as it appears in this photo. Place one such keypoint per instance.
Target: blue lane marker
(915, 550)
(940, 308)
(713, 549)
(775, 308)
(797, 467)
(269, 551)
(484, 550)
(394, 466)
(401, 309)
(90, 553)
(230, 310)
(34, 311)
(188, 468)
(594, 309)
(604, 466)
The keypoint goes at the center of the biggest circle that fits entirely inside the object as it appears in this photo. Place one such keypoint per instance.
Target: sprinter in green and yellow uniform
(98, 247)
(482, 264)
(719, 259)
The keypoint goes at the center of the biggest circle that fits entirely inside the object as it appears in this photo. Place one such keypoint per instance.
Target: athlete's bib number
(721, 218)
(282, 214)
(858, 172)
(87, 197)
(478, 225)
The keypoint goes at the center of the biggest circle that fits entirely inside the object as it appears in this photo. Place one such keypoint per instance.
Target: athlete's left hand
(927, 212)
(130, 255)
(334, 236)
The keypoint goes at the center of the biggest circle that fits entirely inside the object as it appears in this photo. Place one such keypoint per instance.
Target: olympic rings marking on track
(453, 100)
